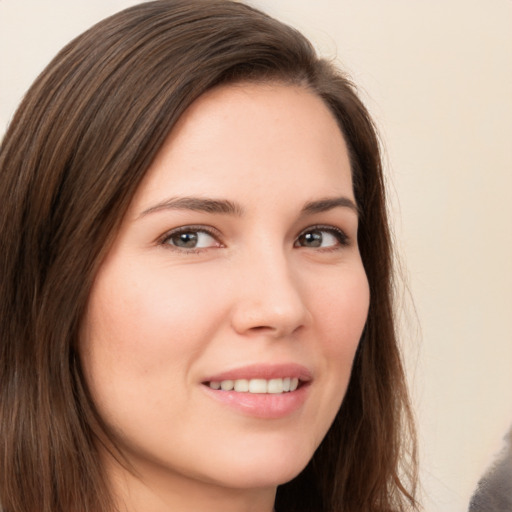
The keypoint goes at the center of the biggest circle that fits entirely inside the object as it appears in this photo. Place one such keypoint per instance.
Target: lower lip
(262, 405)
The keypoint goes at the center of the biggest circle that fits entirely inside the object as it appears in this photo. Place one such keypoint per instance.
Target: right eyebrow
(198, 204)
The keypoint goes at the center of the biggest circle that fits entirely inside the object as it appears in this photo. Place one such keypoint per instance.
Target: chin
(265, 467)
(272, 475)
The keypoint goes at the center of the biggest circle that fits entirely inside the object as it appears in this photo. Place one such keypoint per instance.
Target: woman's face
(237, 264)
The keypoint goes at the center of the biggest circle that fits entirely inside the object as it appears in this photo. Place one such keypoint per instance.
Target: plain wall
(437, 76)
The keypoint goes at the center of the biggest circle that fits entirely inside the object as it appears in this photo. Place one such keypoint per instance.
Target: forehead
(252, 138)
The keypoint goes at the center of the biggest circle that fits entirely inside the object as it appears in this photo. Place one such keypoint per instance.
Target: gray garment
(494, 491)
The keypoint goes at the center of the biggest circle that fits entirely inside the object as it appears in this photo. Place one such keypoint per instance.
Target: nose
(270, 298)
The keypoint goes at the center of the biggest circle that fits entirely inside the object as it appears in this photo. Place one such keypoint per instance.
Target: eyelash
(164, 240)
(339, 234)
(341, 237)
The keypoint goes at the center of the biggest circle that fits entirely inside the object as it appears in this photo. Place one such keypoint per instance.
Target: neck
(161, 491)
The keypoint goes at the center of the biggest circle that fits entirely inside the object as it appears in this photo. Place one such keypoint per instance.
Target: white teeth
(257, 386)
(275, 386)
(242, 385)
(260, 386)
(227, 385)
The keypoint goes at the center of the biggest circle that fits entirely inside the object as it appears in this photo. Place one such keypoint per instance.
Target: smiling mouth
(257, 386)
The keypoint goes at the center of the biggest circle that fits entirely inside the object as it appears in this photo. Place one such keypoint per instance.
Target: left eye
(191, 239)
(321, 238)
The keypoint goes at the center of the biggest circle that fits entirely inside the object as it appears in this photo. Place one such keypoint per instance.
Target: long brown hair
(70, 162)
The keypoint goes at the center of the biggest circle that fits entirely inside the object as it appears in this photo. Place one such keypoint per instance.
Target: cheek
(144, 317)
(143, 332)
(140, 337)
(341, 314)
(343, 310)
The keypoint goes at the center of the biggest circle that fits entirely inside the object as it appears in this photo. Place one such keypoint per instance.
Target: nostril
(275, 316)
(274, 332)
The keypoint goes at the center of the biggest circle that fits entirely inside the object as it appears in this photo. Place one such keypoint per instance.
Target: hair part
(74, 154)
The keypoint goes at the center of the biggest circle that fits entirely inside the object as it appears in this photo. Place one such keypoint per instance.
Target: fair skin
(236, 264)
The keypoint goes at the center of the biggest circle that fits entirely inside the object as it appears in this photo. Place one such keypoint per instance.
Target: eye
(190, 238)
(322, 237)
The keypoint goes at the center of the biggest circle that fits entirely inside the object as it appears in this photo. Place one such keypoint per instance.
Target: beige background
(437, 76)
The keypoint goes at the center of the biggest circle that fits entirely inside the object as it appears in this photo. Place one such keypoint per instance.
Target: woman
(196, 277)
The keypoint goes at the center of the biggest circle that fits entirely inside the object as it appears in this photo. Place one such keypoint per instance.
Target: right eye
(190, 238)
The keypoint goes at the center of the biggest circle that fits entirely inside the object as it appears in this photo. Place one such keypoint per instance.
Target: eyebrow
(329, 203)
(226, 207)
(198, 204)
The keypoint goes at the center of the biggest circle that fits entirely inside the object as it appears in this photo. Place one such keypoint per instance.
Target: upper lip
(264, 371)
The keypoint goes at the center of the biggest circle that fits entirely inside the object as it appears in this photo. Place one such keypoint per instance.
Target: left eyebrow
(329, 203)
